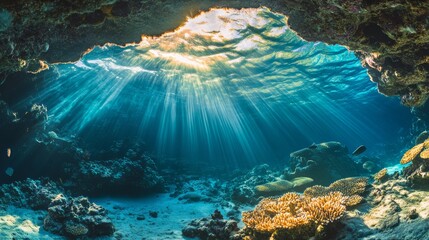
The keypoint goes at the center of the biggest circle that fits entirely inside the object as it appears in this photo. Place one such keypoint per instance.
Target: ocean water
(228, 88)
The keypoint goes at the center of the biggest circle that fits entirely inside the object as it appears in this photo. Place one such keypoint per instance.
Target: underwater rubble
(77, 217)
(64, 215)
(242, 188)
(116, 175)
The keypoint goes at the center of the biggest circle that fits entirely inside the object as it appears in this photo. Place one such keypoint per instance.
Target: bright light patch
(230, 86)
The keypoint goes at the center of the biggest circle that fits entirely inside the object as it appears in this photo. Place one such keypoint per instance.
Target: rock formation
(212, 228)
(29, 193)
(131, 176)
(77, 217)
(390, 37)
(324, 163)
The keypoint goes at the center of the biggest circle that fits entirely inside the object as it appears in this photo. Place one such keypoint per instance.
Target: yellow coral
(350, 188)
(411, 154)
(353, 200)
(76, 229)
(381, 174)
(347, 186)
(294, 212)
(426, 143)
(316, 191)
(302, 216)
(326, 209)
(425, 154)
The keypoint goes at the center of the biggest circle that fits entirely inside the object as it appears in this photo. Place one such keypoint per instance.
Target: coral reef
(77, 217)
(381, 175)
(117, 175)
(14, 125)
(351, 188)
(293, 216)
(418, 172)
(34, 194)
(214, 228)
(392, 210)
(325, 163)
(242, 188)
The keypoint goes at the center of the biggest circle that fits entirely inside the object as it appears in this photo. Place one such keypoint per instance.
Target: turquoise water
(230, 87)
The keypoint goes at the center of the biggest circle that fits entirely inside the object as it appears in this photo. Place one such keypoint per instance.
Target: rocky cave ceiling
(390, 37)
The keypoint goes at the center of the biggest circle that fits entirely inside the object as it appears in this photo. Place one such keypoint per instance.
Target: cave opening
(229, 88)
(230, 108)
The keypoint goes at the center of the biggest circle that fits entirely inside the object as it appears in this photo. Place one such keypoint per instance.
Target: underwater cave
(218, 122)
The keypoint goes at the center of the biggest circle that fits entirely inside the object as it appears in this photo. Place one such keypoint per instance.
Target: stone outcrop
(324, 163)
(77, 217)
(212, 228)
(242, 188)
(29, 193)
(118, 175)
(390, 37)
(393, 211)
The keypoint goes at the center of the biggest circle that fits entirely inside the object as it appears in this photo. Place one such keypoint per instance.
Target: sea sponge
(411, 154)
(350, 186)
(294, 216)
(273, 187)
(301, 181)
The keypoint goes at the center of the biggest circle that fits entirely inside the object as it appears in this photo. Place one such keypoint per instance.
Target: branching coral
(326, 209)
(295, 216)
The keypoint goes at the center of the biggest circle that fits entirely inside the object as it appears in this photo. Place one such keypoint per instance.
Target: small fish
(9, 152)
(359, 150)
(9, 171)
(312, 146)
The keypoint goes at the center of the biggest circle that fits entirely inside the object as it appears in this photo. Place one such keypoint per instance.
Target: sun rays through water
(229, 86)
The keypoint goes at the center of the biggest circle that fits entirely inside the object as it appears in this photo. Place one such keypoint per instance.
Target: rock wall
(390, 37)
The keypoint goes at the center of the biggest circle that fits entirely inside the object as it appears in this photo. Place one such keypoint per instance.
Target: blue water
(230, 87)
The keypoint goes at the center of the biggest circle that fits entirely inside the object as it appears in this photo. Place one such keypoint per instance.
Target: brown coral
(353, 200)
(295, 214)
(346, 186)
(411, 154)
(425, 154)
(316, 191)
(380, 175)
(349, 187)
